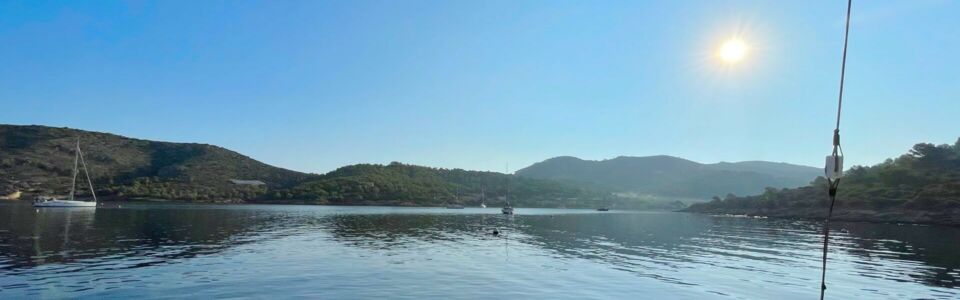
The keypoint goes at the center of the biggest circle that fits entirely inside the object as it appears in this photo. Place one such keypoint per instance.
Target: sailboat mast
(76, 159)
(506, 196)
(85, 172)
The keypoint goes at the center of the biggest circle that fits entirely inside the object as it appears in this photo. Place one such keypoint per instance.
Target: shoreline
(949, 217)
(315, 203)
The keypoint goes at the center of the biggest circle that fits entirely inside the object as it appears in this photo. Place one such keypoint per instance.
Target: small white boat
(507, 207)
(64, 203)
(54, 202)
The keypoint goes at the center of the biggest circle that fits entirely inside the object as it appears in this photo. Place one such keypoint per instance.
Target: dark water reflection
(156, 251)
(30, 237)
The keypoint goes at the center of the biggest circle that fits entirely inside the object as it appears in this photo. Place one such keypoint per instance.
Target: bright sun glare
(733, 50)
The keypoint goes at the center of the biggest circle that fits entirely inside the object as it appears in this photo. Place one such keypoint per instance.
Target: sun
(733, 50)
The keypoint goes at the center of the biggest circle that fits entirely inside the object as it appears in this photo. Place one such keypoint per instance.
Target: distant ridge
(38, 160)
(669, 176)
(920, 186)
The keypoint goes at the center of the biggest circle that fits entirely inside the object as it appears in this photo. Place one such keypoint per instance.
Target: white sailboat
(507, 208)
(42, 201)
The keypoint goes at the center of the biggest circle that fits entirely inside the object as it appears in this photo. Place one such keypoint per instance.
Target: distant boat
(603, 209)
(507, 208)
(42, 201)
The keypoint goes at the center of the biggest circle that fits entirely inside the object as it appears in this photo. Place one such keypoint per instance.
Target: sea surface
(154, 251)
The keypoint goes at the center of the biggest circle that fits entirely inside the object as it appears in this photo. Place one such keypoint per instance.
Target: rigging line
(87, 173)
(843, 64)
(76, 158)
(834, 184)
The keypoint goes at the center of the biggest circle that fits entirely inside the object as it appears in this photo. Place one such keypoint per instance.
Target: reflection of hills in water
(656, 245)
(934, 246)
(659, 243)
(122, 238)
(670, 247)
(387, 231)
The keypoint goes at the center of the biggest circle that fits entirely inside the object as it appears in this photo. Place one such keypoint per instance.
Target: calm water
(165, 250)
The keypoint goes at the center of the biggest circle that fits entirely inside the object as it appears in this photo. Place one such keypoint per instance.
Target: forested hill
(921, 186)
(38, 160)
(672, 176)
(402, 184)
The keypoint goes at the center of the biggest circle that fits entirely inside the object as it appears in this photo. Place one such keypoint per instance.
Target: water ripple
(160, 251)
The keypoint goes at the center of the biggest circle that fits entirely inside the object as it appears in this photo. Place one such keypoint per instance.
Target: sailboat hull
(65, 203)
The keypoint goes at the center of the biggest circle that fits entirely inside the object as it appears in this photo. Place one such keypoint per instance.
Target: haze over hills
(670, 176)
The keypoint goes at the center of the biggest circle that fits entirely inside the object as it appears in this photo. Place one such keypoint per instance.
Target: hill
(38, 160)
(401, 184)
(670, 176)
(922, 186)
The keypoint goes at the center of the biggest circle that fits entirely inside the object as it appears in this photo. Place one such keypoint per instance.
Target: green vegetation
(38, 160)
(402, 184)
(920, 186)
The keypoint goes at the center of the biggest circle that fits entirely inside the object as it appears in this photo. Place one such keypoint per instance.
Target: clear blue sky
(314, 85)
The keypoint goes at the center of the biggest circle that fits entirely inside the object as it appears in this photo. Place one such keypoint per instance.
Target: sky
(483, 85)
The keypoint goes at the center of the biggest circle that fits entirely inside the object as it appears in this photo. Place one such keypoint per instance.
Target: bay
(170, 250)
